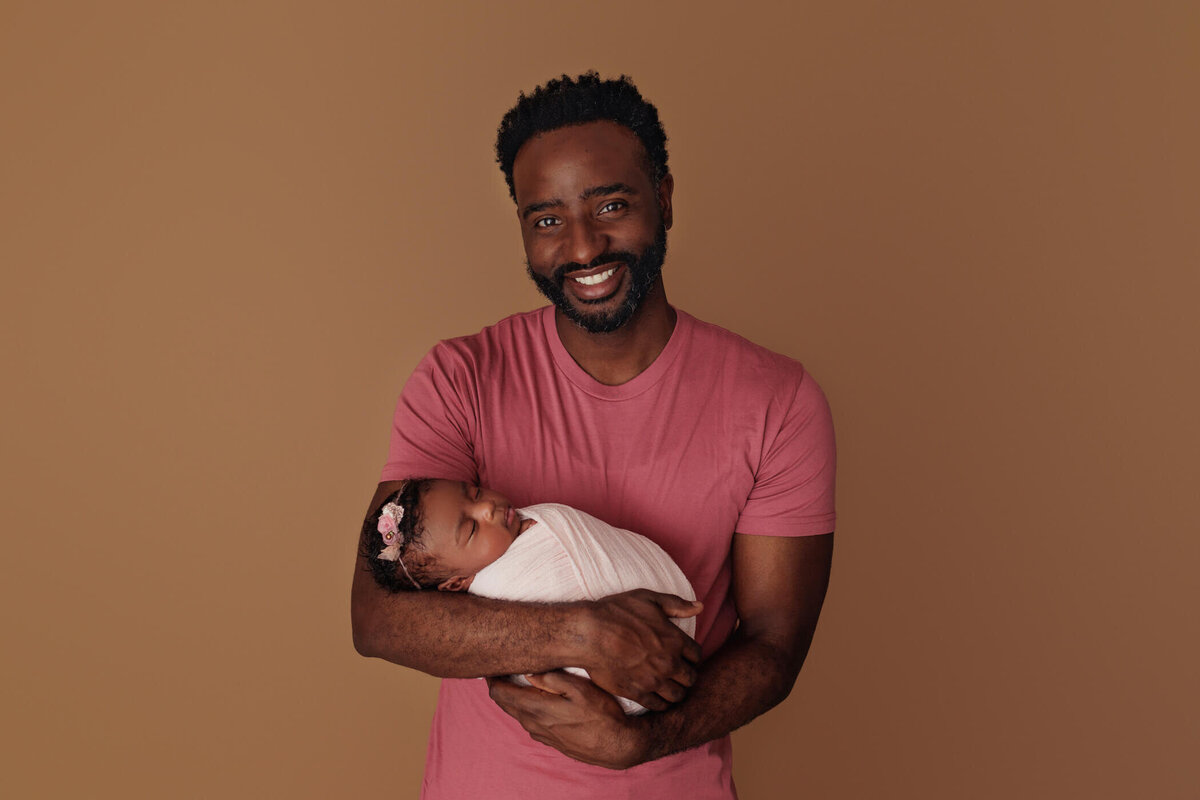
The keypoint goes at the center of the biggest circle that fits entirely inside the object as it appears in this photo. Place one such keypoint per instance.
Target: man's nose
(586, 242)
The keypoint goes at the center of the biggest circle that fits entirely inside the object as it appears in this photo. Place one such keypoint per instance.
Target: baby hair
(412, 570)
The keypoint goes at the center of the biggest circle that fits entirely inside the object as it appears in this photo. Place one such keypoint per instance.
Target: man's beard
(643, 269)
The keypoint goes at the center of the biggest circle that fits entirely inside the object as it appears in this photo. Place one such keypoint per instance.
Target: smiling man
(607, 291)
(612, 401)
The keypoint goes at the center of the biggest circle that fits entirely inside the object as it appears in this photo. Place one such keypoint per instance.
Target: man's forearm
(455, 635)
(742, 680)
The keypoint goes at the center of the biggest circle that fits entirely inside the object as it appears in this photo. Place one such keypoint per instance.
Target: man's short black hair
(573, 101)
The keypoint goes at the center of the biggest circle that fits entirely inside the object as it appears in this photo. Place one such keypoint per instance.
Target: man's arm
(626, 641)
(779, 586)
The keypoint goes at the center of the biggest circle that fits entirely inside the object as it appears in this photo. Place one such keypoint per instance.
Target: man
(614, 402)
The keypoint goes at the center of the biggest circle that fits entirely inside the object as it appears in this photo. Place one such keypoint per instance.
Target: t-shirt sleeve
(793, 492)
(434, 423)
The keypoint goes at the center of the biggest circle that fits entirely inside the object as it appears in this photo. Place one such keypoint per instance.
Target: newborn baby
(454, 536)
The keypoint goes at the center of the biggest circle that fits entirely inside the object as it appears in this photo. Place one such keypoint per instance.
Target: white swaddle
(570, 555)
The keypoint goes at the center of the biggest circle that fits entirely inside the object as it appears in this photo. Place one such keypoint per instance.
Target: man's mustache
(604, 258)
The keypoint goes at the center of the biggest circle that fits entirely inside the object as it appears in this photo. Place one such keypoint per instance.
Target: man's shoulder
(748, 360)
(514, 335)
(522, 325)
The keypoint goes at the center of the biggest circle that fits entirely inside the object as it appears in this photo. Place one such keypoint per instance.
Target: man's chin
(602, 316)
(597, 321)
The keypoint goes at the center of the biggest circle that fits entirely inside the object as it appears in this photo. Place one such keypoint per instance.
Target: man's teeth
(599, 277)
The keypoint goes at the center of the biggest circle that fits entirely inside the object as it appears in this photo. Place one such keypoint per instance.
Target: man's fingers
(538, 681)
(560, 683)
(686, 675)
(639, 652)
(652, 701)
(672, 692)
(551, 682)
(677, 607)
(501, 691)
(513, 698)
(573, 688)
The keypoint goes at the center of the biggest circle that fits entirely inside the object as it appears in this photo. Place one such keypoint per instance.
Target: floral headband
(389, 527)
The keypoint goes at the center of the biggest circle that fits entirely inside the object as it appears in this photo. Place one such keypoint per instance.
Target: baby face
(467, 527)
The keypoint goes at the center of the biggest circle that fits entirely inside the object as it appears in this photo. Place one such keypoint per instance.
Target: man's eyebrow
(533, 208)
(586, 194)
(611, 188)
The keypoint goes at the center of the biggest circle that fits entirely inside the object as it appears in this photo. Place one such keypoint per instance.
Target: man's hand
(571, 715)
(637, 652)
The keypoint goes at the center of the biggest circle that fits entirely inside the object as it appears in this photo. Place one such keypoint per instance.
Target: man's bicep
(779, 585)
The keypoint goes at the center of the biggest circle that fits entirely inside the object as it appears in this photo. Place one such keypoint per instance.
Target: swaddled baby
(454, 536)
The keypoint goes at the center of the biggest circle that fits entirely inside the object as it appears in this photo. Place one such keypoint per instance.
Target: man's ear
(666, 187)
(459, 583)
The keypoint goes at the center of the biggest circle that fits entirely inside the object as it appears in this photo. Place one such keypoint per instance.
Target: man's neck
(619, 357)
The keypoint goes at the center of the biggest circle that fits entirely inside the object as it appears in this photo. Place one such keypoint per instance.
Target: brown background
(229, 232)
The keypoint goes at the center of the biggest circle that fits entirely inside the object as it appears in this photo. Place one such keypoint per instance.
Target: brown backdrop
(230, 230)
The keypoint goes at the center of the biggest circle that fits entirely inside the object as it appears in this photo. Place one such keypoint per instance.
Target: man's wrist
(578, 630)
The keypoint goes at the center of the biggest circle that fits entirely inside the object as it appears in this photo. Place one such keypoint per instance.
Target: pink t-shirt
(717, 436)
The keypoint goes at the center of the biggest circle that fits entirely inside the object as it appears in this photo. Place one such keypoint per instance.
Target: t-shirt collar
(640, 383)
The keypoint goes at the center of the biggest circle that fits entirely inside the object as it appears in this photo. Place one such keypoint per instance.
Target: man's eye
(545, 222)
(615, 205)
(478, 492)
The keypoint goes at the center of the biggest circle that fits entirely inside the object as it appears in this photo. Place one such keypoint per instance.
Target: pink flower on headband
(389, 519)
(389, 527)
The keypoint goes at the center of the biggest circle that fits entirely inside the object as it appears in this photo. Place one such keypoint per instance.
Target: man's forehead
(601, 148)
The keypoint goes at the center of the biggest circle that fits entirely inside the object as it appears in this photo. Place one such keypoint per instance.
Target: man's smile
(597, 284)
